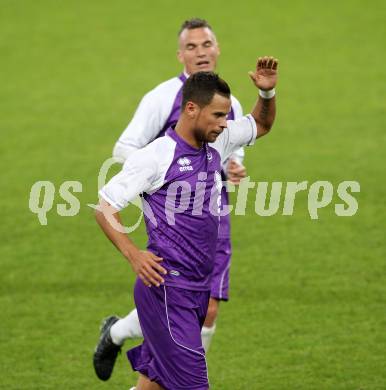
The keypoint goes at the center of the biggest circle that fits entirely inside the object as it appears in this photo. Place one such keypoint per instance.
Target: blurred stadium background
(308, 297)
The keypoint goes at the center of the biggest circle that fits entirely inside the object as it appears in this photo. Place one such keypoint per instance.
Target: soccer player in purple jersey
(159, 110)
(181, 168)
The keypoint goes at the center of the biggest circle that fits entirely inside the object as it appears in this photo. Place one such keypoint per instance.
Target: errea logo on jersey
(183, 161)
(185, 164)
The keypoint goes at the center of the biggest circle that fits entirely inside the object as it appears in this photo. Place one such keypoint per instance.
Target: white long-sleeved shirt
(158, 110)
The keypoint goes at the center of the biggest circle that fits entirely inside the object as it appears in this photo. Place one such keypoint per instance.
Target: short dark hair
(193, 23)
(201, 87)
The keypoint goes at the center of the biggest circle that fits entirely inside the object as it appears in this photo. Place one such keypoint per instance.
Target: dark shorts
(171, 354)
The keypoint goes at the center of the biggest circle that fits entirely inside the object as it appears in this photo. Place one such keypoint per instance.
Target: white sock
(206, 336)
(126, 328)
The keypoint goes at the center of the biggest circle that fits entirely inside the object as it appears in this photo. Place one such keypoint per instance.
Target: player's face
(198, 50)
(212, 119)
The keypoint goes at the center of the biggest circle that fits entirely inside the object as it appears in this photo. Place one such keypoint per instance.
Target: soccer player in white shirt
(159, 110)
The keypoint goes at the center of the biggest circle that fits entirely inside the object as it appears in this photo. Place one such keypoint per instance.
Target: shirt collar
(172, 133)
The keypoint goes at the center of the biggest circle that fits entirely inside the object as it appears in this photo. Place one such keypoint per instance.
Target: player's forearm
(120, 239)
(264, 114)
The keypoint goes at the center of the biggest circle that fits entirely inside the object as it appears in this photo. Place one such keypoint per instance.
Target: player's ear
(191, 109)
(179, 56)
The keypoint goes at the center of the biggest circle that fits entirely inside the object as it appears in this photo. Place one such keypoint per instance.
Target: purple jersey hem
(187, 286)
(217, 298)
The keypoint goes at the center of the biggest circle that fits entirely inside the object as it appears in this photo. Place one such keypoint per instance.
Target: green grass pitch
(308, 297)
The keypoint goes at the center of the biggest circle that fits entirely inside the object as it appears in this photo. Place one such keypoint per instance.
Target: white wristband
(267, 94)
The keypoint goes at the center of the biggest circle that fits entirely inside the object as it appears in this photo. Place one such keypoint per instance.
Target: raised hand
(265, 76)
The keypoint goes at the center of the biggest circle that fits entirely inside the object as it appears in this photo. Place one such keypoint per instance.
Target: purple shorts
(219, 288)
(171, 354)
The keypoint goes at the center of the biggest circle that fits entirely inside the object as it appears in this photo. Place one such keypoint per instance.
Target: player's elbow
(119, 153)
(263, 129)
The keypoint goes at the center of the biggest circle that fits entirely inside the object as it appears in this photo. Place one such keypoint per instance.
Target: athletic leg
(126, 328)
(171, 353)
(144, 383)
